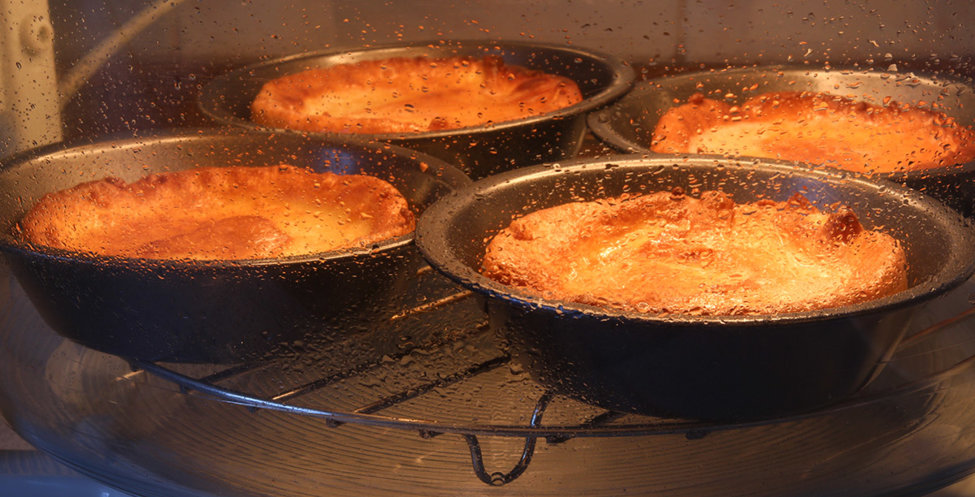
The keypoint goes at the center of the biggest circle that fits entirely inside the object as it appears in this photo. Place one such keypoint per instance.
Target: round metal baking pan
(211, 311)
(628, 124)
(478, 151)
(707, 367)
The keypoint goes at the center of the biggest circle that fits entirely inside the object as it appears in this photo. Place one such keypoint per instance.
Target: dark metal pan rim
(910, 78)
(518, 298)
(135, 263)
(622, 76)
(599, 120)
(954, 272)
(921, 76)
(569, 310)
(638, 160)
(165, 136)
(894, 176)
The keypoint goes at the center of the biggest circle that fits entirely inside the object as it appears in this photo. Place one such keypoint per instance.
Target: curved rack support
(498, 478)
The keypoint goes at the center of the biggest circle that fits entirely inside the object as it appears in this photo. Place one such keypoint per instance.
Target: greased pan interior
(725, 368)
(478, 151)
(211, 311)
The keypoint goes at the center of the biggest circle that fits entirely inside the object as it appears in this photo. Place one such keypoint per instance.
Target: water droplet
(516, 368)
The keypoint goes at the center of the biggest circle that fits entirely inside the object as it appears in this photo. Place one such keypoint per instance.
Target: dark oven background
(152, 79)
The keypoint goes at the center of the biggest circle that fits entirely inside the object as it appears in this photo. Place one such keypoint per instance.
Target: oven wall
(705, 30)
(151, 79)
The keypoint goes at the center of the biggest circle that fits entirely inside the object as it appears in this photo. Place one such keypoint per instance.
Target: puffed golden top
(669, 253)
(220, 213)
(817, 128)
(410, 95)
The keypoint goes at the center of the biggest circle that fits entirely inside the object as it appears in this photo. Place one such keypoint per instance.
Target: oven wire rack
(595, 422)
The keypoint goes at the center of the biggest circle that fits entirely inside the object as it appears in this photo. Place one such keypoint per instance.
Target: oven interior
(445, 411)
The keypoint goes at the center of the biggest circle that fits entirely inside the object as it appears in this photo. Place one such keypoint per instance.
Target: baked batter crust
(817, 128)
(410, 95)
(668, 253)
(220, 213)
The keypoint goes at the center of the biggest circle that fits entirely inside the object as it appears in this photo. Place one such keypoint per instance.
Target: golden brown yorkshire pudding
(220, 213)
(410, 95)
(817, 128)
(669, 253)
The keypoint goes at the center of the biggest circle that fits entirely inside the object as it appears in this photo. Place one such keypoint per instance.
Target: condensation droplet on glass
(516, 368)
